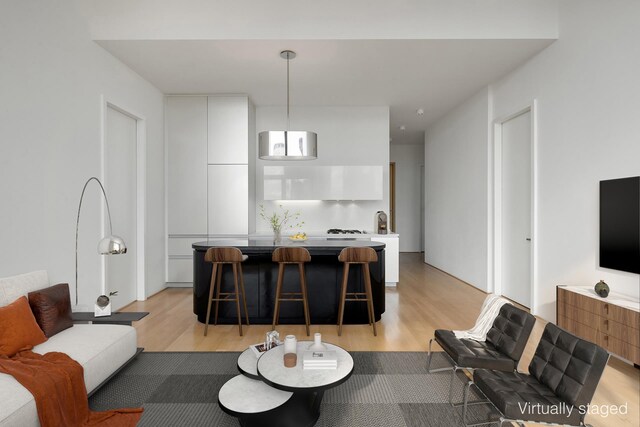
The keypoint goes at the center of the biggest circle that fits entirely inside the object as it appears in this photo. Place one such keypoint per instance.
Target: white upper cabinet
(323, 182)
(228, 129)
(187, 172)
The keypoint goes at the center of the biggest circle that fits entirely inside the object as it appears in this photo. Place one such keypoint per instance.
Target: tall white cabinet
(210, 174)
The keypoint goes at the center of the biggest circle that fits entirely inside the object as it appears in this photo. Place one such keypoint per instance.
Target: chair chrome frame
(454, 368)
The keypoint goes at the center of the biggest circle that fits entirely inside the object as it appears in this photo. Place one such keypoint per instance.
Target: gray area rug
(387, 389)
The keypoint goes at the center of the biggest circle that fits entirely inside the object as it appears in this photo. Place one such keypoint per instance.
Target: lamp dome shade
(287, 145)
(112, 245)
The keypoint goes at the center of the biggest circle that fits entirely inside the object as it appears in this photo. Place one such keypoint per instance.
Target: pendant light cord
(288, 121)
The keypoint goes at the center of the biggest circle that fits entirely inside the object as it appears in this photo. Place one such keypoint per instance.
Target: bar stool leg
(367, 283)
(211, 287)
(218, 285)
(343, 296)
(276, 309)
(244, 296)
(237, 295)
(305, 301)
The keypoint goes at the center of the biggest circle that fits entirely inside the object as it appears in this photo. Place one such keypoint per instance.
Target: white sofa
(100, 349)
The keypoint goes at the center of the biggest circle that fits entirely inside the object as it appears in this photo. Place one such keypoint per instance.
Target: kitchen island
(323, 273)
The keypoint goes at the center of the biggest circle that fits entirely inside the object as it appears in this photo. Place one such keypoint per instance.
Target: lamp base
(102, 311)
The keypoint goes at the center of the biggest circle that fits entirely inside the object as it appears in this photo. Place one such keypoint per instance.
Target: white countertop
(324, 235)
(613, 297)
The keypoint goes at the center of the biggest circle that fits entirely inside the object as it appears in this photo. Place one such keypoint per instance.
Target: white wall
(346, 136)
(588, 103)
(455, 159)
(408, 159)
(51, 80)
(588, 95)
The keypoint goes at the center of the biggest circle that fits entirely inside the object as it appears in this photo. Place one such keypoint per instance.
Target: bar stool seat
(357, 256)
(284, 256)
(219, 256)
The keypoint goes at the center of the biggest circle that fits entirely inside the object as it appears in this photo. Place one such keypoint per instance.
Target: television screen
(620, 224)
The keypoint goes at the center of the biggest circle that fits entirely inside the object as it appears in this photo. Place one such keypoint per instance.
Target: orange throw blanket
(57, 384)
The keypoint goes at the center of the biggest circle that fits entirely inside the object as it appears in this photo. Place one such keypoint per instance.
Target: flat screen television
(620, 224)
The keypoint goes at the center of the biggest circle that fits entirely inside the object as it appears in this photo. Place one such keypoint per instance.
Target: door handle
(528, 239)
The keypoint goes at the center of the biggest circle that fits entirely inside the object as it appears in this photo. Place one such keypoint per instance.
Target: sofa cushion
(12, 288)
(18, 328)
(473, 354)
(100, 349)
(52, 308)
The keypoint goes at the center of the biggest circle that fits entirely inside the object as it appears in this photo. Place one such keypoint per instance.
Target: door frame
(392, 197)
(141, 173)
(495, 261)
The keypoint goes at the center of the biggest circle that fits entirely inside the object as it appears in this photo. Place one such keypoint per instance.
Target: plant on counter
(278, 221)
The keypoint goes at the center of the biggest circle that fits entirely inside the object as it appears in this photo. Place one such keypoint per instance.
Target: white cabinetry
(210, 153)
(391, 257)
(186, 170)
(228, 199)
(323, 182)
(228, 129)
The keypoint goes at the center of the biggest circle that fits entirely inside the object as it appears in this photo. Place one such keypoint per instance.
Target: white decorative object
(290, 344)
(102, 311)
(317, 343)
(320, 360)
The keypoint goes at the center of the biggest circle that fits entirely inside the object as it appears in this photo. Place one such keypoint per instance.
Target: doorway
(123, 142)
(515, 207)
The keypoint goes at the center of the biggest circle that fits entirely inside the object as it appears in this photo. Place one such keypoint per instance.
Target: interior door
(516, 209)
(120, 185)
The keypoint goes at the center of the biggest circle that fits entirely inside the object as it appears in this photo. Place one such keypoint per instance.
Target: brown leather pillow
(52, 308)
(18, 329)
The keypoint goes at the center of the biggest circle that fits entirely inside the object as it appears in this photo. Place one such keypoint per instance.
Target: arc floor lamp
(108, 245)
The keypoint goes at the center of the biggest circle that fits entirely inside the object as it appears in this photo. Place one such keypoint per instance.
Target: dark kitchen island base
(324, 277)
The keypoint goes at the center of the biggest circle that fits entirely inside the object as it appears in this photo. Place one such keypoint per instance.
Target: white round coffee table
(269, 395)
(241, 396)
(271, 370)
(248, 364)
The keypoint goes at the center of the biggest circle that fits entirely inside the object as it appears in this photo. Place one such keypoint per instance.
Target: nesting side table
(270, 395)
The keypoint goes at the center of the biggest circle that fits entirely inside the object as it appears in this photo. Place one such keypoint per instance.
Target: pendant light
(287, 144)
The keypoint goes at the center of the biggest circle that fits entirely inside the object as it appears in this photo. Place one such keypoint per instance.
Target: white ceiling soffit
(320, 20)
(434, 75)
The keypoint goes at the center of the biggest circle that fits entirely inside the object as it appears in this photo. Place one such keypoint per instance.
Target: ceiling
(435, 75)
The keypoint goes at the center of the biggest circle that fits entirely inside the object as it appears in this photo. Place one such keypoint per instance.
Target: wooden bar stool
(284, 256)
(219, 257)
(357, 256)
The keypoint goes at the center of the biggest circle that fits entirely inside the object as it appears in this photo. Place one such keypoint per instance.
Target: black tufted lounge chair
(563, 376)
(501, 351)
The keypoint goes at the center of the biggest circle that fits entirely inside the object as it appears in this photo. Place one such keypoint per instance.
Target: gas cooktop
(341, 231)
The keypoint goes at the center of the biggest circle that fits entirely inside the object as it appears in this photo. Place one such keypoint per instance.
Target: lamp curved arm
(93, 178)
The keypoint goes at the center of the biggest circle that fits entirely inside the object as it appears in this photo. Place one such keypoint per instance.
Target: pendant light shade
(287, 144)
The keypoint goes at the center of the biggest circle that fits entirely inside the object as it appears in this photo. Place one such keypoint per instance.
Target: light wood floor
(425, 299)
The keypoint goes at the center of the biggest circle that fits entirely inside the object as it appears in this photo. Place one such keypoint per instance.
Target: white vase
(290, 344)
(317, 343)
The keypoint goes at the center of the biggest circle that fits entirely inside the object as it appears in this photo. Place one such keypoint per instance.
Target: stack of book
(319, 360)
